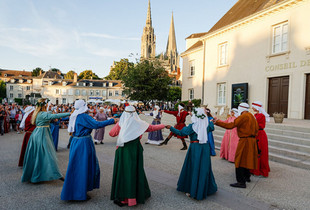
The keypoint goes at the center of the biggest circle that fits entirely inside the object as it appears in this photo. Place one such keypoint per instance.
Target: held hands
(116, 120)
(214, 120)
(168, 126)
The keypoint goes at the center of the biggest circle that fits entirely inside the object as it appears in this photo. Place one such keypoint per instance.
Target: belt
(28, 131)
(194, 141)
(247, 137)
(157, 120)
(79, 137)
(43, 126)
(261, 129)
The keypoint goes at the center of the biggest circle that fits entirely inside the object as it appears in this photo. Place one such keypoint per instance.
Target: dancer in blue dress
(40, 162)
(196, 178)
(83, 173)
(155, 137)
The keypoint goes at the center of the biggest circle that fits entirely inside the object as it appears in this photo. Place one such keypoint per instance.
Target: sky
(90, 34)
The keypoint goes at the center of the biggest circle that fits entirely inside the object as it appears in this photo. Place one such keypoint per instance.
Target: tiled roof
(242, 9)
(49, 75)
(14, 73)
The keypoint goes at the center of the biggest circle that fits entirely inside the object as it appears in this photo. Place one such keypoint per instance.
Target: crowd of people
(244, 143)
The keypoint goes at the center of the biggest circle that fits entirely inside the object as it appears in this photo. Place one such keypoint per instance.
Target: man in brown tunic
(246, 154)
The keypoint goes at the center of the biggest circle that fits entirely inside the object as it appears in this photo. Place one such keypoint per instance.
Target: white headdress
(131, 126)
(155, 112)
(80, 107)
(259, 106)
(235, 111)
(200, 124)
(243, 107)
(28, 110)
(180, 108)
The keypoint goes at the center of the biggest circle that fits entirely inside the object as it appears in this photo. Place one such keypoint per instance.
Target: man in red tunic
(28, 127)
(181, 118)
(263, 159)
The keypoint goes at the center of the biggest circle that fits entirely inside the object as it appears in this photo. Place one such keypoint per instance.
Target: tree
(88, 74)
(36, 72)
(2, 90)
(174, 94)
(70, 75)
(120, 69)
(146, 81)
(55, 70)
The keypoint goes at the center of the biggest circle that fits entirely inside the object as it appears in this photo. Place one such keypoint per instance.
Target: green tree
(36, 71)
(2, 90)
(146, 81)
(70, 75)
(55, 70)
(88, 74)
(174, 94)
(120, 69)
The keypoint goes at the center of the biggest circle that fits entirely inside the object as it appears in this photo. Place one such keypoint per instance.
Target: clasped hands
(168, 126)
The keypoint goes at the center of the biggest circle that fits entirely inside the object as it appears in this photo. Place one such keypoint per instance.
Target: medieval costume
(180, 118)
(28, 127)
(129, 184)
(155, 137)
(83, 172)
(230, 139)
(246, 154)
(40, 162)
(196, 178)
(262, 140)
(99, 133)
(6, 121)
(55, 132)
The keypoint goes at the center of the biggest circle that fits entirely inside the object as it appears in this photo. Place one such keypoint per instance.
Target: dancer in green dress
(40, 162)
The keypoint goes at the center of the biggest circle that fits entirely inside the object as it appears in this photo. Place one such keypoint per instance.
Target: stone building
(259, 50)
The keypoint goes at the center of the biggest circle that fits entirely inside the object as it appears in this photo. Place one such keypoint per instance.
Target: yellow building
(259, 50)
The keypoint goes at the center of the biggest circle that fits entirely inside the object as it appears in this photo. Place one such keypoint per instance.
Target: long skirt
(24, 147)
(99, 134)
(263, 159)
(83, 172)
(55, 134)
(155, 137)
(40, 162)
(129, 180)
(229, 145)
(196, 177)
(6, 126)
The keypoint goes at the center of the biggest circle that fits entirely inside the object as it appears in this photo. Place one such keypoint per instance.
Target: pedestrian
(6, 123)
(129, 184)
(83, 172)
(2, 119)
(262, 140)
(54, 126)
(230, 140)
(246, 154)
(196, 178)
(210, 134)
(155, 137)
(28, 127)
(99, 133)
(40, 162)
(180, 115)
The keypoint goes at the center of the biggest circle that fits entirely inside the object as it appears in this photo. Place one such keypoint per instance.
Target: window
(104, 93)
(221, 94)
(11, 87)
(192, 68)
(280, 38)
(91, 84)
(77, 84)
(77, 92)
(104, 84)
(91, 92)
(223, 54)
(28, 88)
(116, 93)
(11, 95)
(97, 92)
(57, 92)
(111, 84)
(84, 92)
(70, 92)
(21, 81)
(19, 95)
(63, 92)
(64, 83)
(84, 84)
(191, 94)
(110, 93)
(64, 100)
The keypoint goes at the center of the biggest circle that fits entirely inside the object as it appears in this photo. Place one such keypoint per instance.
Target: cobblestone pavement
(286, 188)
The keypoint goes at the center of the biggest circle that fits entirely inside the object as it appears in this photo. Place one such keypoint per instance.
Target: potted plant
(278, 117)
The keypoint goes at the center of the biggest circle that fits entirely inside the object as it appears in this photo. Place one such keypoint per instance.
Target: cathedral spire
(171, 44)
(148, 17)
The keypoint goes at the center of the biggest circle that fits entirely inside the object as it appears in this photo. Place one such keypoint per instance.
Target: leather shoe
(239, 185)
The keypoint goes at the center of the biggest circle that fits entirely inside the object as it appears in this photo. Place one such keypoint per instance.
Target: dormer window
(29, 81)
(21, 81)
(91, 84)
(20, 75)
(104, 84)
(111, 84)
(84, 84)
(64, 83)
(5, 75)
(12, 80)
(77, 84)
(50, 82)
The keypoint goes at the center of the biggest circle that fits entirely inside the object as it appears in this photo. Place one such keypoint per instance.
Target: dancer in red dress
(263, 158)
(28, 127)
(181, 118)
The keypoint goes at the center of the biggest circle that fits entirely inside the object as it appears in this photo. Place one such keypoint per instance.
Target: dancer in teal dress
(40, 162)
(196, 178)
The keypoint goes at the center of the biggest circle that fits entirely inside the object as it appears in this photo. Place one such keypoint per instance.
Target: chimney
(40, 72)
(75, 77)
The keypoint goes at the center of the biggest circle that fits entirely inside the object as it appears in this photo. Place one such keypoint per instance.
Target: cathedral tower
(171, 51)
(148, 39)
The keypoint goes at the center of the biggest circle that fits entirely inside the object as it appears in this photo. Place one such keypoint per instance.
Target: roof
(95, 83)
(242, 9)
(15, 73)
(49, 75)
(196, 45)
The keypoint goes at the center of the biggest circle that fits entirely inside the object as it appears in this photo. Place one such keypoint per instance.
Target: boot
(184, 146)
(164, 142)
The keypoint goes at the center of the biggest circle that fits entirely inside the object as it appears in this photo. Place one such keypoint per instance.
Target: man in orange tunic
(246, 154)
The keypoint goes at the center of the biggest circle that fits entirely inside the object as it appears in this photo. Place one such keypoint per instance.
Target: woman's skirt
(83, 173)
(196, 177)
(24, 147)
(155, 137)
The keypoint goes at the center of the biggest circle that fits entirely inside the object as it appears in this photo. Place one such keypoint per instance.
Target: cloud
(107, 36)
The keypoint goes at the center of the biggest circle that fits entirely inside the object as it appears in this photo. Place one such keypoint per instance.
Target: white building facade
(259, 50)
